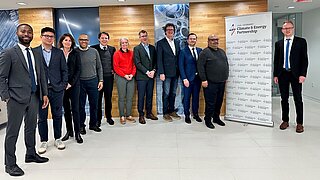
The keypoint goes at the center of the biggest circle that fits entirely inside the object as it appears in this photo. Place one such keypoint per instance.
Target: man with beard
(22, 85)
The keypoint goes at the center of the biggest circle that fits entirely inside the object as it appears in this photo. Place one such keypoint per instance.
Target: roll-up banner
(249, 52)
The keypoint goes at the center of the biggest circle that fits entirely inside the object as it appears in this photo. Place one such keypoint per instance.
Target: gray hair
(123, 38)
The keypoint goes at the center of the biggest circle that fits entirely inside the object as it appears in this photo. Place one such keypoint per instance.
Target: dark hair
(47, 29)
(73, 43)
(288, 21)
(24, 25)
(99, 35)
(142, 32)
(169, 25)
(190, 34)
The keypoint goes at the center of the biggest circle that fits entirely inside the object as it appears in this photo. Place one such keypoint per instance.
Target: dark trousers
(106, 92)
(145, 89)
(16, 113)
(90, 88)
(71, 108)
(213, 95)
(169, 94)
(285, 79)
(56, 102)
(194, 91)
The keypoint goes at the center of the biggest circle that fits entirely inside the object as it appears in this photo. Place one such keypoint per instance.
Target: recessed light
(21, 3)
(121, 0)
(290, 7)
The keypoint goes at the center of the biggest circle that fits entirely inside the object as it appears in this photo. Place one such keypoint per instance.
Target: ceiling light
(121, 0)
(290, 7)
(21, 3)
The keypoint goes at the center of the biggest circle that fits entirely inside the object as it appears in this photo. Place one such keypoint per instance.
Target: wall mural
(9, 20)
(177, 14)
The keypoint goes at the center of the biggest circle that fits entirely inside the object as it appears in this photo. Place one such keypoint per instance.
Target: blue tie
(287, 55)
(31, 72)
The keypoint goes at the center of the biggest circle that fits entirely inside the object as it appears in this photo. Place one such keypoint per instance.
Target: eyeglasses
(170, 29)
(48, 36)
(144, 36)
(288, 28)
(213, 39)
(83, 40)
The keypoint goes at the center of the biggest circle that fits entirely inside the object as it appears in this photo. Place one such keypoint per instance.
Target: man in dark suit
(145, 59)
(106, 56)
(22, 85)
(167, 60)
(188, 71)
(290, 67)
(56, 70)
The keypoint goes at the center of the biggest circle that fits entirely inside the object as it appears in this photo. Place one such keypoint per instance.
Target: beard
(25, 41)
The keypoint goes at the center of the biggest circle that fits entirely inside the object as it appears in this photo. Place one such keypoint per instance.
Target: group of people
(64, 76)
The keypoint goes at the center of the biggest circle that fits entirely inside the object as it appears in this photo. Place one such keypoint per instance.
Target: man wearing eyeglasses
(56, 70)
(290, 67)
(213, 71)
(91, 82)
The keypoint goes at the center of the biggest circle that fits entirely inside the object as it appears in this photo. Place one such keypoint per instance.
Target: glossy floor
(177, 151)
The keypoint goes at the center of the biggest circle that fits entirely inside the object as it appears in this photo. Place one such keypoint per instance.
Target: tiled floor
(177, 151)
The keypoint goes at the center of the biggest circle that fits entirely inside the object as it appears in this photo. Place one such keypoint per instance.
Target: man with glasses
(91, 82)
(290, 67)
(56, 70)
(213, 70)
(167, 60)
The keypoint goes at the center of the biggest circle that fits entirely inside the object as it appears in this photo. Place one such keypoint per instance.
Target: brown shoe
(284, 125)
(167, 117)
(122, 120)
(142, 120)
(299, 128)
(130, 118)
(152, 117)
(174, 115)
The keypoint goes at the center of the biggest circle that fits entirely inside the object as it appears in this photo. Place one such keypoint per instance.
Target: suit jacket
(143, 62)
(187, 64)
(111, 50)
(167, 62)
(57, 71)
(298, 57)
(74, 66)
(14, 75)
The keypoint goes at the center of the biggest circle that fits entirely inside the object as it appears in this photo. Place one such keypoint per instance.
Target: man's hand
(162, 77)
(45, 102)
(100, 86)
(204, 84)
(186, 82)
(151, 74)
(275, 79)
(302, 79)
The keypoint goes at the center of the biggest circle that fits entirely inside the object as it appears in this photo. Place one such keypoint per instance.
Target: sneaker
(43, 147)
(167, 117)
(59, 144)
(174, 115)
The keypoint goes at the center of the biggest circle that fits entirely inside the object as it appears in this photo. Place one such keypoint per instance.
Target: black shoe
(219, 122)
(95, 128)
(187, 120)
(110, 121)
(83, 130)
(14, 170)
(209, 125)
(78, 138)
(36, 159)
(98, 123)
(66, 137)
(142, 120)
(151, 116)
(197, 118)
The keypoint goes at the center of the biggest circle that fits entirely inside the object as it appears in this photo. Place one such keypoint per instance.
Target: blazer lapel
(168, 45)
(37, 60)
(176, 44)
(144, 50)
(21, 57)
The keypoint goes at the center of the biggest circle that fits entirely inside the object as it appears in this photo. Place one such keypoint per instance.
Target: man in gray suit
(22, 86)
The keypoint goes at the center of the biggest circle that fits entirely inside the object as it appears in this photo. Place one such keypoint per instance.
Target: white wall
(311, 31)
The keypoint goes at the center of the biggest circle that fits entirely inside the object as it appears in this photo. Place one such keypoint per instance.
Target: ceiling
(276, 6)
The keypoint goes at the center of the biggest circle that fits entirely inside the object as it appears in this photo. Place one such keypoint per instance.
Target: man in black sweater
(213, 70)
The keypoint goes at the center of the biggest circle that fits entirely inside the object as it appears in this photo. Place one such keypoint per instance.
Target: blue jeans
(90, 88)
(169, 94)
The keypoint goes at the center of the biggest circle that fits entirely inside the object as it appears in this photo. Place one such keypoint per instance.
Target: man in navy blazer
(290, 67)
(167, 60)
(191, 82)
(56, 70)
(22, 86)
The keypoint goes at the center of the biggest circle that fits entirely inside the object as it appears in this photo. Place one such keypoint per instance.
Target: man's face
(25, 35)
(143, 38)
(47, 38)
(192, 40)
(213, 41)
(170, 32)
(83, 41)
(287, 29)
(104, 39)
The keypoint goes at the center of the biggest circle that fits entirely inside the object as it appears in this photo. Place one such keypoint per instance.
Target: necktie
(31, 72)
(104, 48)
(194, 54)
(287, 55)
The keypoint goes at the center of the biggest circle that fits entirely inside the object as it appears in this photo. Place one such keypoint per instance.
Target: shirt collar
(45, 49)
(83, 49)
(101, 46)
(169, 40)
(22, 47)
